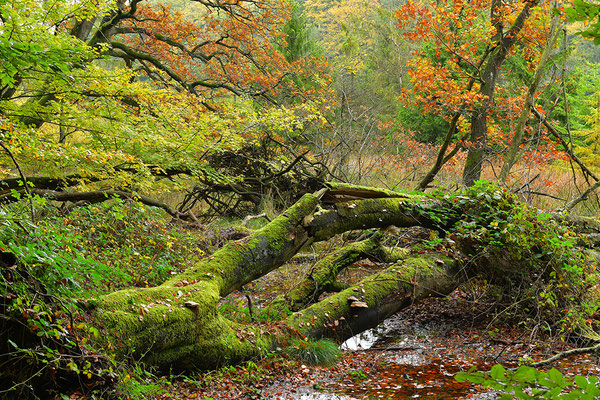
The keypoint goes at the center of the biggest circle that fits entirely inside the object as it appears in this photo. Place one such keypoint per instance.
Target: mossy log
(323, 275)
(177, 324)
(379, 296)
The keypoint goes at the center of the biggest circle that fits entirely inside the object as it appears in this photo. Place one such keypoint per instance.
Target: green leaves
(531, 383)
(532, 250)
(31, 44)
(581, 10)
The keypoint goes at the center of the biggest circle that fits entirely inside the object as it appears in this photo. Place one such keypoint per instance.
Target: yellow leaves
(345, 28)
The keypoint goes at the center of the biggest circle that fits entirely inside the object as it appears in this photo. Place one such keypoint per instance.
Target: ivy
(528, 253)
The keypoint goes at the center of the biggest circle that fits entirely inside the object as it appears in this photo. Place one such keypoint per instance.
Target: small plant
(531, 383)
(357, 375)
(321, 352)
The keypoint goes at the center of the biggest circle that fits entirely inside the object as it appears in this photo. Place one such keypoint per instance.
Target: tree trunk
(323, 276)
(379, 296)
(511, 156)
(478, 138)
(177, 324)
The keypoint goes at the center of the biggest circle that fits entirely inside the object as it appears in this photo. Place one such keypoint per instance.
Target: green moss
(374, 191)
(219, 342)
(178, 324)
(433, 274)
(413, 210)
(184, 337)
(155, 318)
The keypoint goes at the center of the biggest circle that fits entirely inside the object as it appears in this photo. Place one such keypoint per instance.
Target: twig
(527, 184)
(542, 194)
(250, 307)
(567, 148)
(251, 217)
(581, 198)
(11, 155)
(581, 350)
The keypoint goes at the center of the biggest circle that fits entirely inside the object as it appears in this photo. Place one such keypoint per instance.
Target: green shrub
(533, 258)
(100, 248)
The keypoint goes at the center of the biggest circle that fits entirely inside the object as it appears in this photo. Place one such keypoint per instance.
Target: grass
(545, 186)
(314, 352)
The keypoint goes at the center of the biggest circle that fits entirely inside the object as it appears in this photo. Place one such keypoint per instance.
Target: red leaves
(452, 36)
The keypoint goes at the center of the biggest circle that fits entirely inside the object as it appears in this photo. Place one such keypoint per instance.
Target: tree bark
(384, 294)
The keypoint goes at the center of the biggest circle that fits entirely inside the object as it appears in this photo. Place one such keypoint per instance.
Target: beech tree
(456, 72)
(139, 99)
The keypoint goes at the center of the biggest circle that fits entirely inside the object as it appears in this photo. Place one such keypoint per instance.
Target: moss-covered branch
(173, 324)
(323, 276)
(411, 210)
(379, 296)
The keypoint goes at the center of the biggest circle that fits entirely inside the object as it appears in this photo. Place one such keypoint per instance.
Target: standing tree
(127, 97)
(456, 72)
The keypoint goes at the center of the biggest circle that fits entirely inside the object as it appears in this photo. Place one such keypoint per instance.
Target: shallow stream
(404, 360)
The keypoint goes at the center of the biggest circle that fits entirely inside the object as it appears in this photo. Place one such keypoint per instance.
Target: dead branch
(564, 354)
(98, 196)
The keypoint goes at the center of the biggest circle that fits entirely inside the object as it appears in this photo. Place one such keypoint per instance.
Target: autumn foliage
(226, 48)
(454, 42)
(127, 96)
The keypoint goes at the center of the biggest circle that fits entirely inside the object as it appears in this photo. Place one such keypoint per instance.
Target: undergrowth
(531, 258)
(50, 267)
(314, 352)
(100, 248)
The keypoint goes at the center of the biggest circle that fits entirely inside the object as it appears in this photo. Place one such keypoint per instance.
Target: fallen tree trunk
(536, 259)
(323, 276)
(379, 296)
(177, 324)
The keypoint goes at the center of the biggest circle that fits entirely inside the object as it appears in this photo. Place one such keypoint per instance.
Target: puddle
(362, 341)
(325, 396)
(303, 393)
(413, 359)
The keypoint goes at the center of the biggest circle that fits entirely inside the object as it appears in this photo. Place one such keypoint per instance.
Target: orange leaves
(453, 41)
(439, 89)
(451, 37)
(220, 48)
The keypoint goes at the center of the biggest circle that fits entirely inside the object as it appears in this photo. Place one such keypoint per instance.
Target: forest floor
(414, 354)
